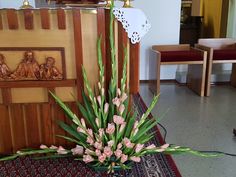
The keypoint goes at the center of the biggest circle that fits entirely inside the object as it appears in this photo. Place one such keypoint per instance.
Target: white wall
(14, 3)
(164, 16)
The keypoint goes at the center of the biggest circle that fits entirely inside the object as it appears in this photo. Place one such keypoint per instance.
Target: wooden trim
(1, 25)
(45, 84)
(102, 32)
(122, 43)
(45, 20)
(78, 51)
(233, 75)
(29, 19)
(182, 63)
(12, 19)
(108, 46)
(134, 67)
(6, 96)
(224, 61)
(61, 19)
(51, 100)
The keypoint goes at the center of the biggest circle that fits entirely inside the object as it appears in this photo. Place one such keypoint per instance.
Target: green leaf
(130, 125)
(66, 109)
(80, 136)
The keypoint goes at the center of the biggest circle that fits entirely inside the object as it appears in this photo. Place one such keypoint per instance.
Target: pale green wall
(231, 29)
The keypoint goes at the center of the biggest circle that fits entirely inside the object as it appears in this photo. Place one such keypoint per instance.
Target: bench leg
(196, 78)
(233, 75)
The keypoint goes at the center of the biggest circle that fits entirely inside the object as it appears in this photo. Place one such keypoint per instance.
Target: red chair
(179, 55)
(220, 50)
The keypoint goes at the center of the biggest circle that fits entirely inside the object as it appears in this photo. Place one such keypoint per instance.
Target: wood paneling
(58, 115)
(46, 121)
(18, 127)
(32, 125)
(101, 32)
(45, 19)
(6, 96)
(134, 67)
(12, 19)
(1, 25)
(108, 46)
(78, 51)
(122, 44)
(5, 131)
(29, 19)
(61, 19)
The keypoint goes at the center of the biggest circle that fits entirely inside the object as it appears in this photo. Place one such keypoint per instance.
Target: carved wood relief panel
(29, 63)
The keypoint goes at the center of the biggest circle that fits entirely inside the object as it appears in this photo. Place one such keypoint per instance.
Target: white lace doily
(134, 22)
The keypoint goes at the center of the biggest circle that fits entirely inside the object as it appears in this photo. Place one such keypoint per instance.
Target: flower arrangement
(108, 135)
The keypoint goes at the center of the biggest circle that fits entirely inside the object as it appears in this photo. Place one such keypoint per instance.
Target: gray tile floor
(201, 123)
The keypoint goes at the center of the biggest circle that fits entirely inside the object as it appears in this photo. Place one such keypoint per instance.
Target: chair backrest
(218, 43)
(178, 47)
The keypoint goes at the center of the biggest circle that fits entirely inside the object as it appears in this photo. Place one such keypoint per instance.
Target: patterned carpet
(151, 166)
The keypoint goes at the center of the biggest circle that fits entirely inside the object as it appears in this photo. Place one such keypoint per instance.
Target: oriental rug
(158, 165)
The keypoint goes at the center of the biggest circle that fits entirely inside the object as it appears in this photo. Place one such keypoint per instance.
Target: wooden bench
(220, 50)
(179, 55)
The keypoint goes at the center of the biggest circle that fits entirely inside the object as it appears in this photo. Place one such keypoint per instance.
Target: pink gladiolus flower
(135, 124)
(152, 146)
(139, 147)
(110, 128)
(83, 122)
(135, 131)
(108, 152)
(90, 140)
(122, 127)
(61, 150)
(80, 130)
(106, 108)
(90, 132)
(103, 91)
(99, 100)
(123, 97)
(159, 150)
(128, 143)
(165, 146)
(99, 85)
(118, 120)
(98, 152)
(124, 158)
(110, 143)
(118, 92)
(97, 121)
(98, 145)
(102, 158)
(121, 108)
(118, 153)
(89, 152)
(119, 146)
(101, 132)
(135, 159)
(42, 146)
(53, 147)
(88, 158)
(78, 150)
(116, 101)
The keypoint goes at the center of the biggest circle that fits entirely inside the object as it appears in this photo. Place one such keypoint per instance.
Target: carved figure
(4, 69)
(28, 67)
(48, 71)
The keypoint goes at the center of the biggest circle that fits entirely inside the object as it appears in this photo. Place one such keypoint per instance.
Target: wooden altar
(27, 112)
